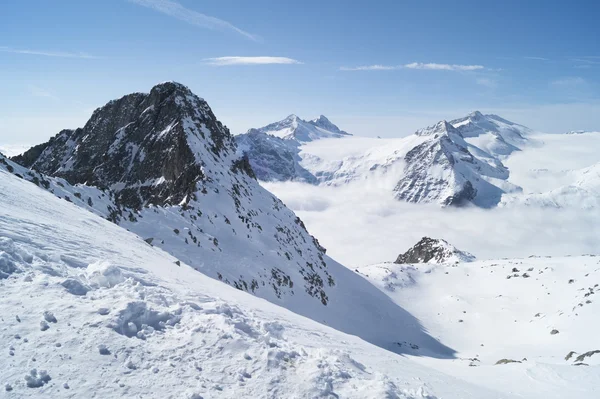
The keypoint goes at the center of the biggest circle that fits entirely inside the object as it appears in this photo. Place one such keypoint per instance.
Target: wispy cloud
(227, 61)
(41, 92)
(487, 82)
(176, 10)
(415, 65)
(570, 81)
(60, 54)
(536, 58)
(443, 67)
(372, 68)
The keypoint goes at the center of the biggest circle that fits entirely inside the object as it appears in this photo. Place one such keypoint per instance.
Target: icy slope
(532, 311)
(91, 310)
(171, 174)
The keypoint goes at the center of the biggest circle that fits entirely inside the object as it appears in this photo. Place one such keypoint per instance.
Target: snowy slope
(91, 310)
(491, 133)
(171, 174)
(533, 311)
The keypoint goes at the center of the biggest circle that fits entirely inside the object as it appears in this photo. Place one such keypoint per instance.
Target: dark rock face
(136, 146)
(431, 250)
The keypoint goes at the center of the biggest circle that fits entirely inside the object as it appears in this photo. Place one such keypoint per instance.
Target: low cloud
(226, 61)
(360, 224)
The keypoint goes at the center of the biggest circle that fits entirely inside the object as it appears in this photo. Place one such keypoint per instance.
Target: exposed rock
(507, 361)
(431, 250)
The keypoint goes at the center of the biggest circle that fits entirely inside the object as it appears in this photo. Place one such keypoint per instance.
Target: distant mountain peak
(439, 128)
(300, 130)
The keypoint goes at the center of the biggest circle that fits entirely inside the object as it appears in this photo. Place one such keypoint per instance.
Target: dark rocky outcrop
(431, 250)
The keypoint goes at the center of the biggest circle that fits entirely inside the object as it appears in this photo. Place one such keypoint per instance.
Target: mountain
(162, 166)
(273, 150)
(442, 169)
(432, 250)
(302, 131)
(451, 163)
(273, 158)
(491, 133)
(91, 310)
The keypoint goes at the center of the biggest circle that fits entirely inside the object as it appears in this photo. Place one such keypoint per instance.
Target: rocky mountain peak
(442, 127)
(432, 250)
(149, 148)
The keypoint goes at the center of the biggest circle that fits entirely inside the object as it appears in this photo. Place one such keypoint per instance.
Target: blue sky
(374, 67)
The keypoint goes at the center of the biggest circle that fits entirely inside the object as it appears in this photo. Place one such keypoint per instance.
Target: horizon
(378, 71)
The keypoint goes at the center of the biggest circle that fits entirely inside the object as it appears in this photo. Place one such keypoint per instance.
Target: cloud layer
(264, 60)
(176, 10)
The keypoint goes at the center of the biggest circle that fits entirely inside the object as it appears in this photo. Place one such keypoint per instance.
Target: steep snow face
(207, 210)
(294, 128)
(443, 170)
(431, 250)
(90, 309)
(491, 133)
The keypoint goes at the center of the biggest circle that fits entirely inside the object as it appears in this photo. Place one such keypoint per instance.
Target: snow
(148, 327)
(507, 309)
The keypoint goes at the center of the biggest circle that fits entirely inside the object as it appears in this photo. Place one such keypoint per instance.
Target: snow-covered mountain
(273, 158)
(162, 166)
(91, 310)
(450, 163)
(442, 169)
(273, 150)
(491, 133)
(434, 250)
(303, 131)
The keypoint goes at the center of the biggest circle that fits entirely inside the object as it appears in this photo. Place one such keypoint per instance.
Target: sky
(375, 68)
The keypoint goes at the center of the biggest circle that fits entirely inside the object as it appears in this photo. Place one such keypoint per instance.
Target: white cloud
(443, 67)
(60, 54)
(176, 10)
(226, 61)
(371, 68)
(536, 58)
(381, 227)
(415, 65)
